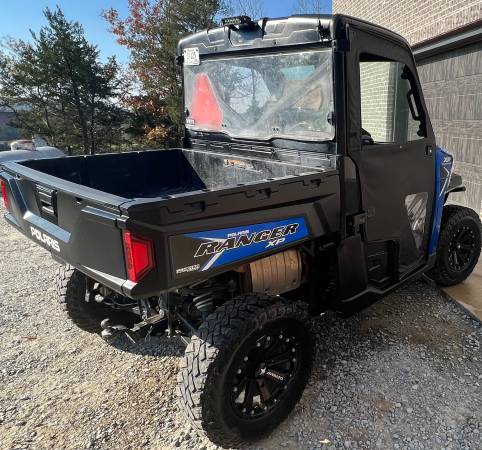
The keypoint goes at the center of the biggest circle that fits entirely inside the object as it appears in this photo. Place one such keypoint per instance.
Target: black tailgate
(75, 223)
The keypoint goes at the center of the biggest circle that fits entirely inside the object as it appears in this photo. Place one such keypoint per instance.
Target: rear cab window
(284, 95)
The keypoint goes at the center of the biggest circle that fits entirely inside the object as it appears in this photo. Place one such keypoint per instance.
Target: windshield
(287, 95)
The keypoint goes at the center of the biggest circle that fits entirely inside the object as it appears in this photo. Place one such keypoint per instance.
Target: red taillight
(4, 194)
(139, 255)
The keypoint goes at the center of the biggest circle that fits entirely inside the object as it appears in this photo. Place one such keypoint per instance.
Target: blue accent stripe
(443, 170)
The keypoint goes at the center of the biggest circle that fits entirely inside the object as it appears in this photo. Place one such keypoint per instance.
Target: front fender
(443, 175)
(455, 185)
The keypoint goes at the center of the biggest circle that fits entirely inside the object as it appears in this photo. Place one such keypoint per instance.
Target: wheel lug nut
(287, 339)
(268, 338)
(294, 360)
(238, 371)
(235, 389)
(245, 358)
(258, 344)
(252, 412)
(293, 349)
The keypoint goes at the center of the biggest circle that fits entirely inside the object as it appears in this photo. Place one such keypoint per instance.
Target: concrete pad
(469, 293)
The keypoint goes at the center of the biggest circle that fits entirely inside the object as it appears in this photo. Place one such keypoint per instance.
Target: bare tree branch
(251, 8)
(312, 7)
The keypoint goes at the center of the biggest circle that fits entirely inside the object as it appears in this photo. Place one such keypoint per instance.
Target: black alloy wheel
(265, 368)
(461, 248)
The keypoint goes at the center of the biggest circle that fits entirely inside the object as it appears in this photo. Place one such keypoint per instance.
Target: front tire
(246, 369)
(458, 247)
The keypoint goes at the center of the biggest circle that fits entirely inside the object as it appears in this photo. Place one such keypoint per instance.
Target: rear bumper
(74, 230)
(38, 224)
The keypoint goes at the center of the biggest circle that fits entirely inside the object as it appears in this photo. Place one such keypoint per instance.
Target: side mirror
(366, 137)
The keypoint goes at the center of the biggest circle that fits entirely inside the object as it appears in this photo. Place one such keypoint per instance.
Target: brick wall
(384, 107)
(377, 86)
(416, 20)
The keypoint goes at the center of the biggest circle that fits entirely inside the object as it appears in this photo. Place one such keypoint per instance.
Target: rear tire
(246, 369)
(458, 247)
(71, 287)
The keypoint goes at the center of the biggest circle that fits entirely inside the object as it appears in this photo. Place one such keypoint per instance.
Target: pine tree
(66, 89)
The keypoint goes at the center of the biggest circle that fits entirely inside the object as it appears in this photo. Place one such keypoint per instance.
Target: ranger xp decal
(198, 252)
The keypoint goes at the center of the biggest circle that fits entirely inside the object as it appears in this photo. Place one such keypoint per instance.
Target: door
(392, 145)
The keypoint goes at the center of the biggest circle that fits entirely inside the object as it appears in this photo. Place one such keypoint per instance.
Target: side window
(389, 107)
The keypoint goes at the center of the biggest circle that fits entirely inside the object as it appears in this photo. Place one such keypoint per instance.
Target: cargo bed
(79, 207)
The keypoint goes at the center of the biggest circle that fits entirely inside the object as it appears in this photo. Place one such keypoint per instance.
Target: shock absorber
(205, 294)
(204, 303)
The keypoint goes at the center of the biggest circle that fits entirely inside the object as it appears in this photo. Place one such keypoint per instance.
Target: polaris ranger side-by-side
(308, 180)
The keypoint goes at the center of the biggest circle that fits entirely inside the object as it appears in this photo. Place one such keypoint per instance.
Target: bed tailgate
(66, 219)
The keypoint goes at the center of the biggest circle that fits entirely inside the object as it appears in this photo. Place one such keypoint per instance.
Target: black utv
(308, 180)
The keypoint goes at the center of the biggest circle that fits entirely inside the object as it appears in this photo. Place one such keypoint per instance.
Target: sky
(18, 16)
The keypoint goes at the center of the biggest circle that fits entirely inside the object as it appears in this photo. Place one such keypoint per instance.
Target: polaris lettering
(274, 237)
(47, 240)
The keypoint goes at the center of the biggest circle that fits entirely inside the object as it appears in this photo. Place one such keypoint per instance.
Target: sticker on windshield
(191, 57)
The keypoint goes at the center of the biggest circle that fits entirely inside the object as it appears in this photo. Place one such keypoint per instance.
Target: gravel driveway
(406, 373)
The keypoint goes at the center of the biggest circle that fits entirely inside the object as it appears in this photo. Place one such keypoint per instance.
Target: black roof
(269, 33)
(279, 32)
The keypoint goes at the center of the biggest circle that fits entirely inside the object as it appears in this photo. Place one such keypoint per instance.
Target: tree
(70, 96)
(151, 32)
(312, 7)
(251, 8)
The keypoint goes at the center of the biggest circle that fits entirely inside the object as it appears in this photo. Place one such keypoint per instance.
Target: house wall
(416, 20)
(452, 86)
(377, 86)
